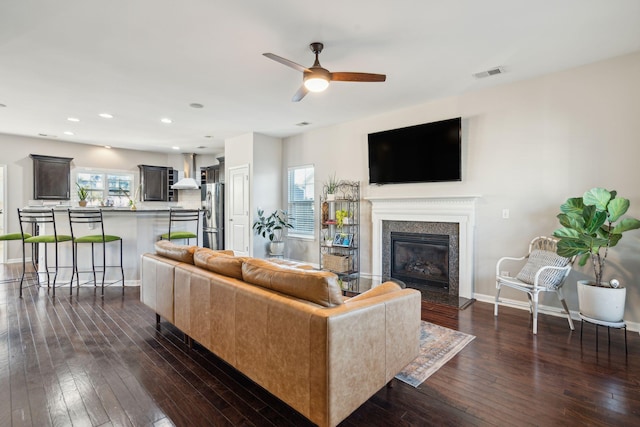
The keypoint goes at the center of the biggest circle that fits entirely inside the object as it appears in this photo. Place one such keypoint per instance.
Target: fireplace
(453, 216)
(420, 259)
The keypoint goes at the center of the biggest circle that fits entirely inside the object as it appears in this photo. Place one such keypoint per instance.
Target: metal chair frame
(533, 290)
(35, 218)
(92, 218)
(182, 216)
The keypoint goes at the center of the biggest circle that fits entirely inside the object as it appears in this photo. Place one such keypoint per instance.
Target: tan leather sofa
(286, 327)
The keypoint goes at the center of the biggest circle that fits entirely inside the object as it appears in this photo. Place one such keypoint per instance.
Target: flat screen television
(429, 152)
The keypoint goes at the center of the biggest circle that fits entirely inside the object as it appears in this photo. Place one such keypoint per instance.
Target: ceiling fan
(316, 78)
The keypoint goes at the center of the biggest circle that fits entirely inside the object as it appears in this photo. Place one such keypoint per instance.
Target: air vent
(488, 73)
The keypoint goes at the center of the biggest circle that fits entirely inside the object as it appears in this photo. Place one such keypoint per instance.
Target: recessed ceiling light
(47, 136)
(108, 147)
(208, 136)
(202, 147)
(73, 119)
(68, 133)
(175, 148)
(166, 120)
(303, 124)
(106, 115)
(2, 105)
(196, 105)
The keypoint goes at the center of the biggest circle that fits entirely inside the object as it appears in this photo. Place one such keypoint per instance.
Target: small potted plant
(272, 227)
(591, 224)
(331, 187)
(83, 193)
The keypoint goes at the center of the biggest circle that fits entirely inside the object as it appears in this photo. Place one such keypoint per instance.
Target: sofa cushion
(319, 287)
(293, 264)
(382, 289)
(221, 262)
(182, 253)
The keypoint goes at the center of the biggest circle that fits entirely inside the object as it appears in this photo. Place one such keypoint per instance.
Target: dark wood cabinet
(212, 174)
(156, 183)
(51, 177)
(154, 180)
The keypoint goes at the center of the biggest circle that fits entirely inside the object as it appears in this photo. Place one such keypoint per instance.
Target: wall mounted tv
(429, 152)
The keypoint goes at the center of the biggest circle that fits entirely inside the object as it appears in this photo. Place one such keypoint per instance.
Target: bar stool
(179, 216)
(10, 237)
(36, 218)
(93, 219)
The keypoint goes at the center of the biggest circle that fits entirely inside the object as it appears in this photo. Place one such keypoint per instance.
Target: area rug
(437, 346)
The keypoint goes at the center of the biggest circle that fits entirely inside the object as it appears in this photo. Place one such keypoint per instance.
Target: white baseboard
(545, 309)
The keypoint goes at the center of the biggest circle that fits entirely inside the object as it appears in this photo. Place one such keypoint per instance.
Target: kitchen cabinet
(154, 181)
(51, 177)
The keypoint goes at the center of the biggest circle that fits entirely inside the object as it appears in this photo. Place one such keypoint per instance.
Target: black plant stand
(609, 325)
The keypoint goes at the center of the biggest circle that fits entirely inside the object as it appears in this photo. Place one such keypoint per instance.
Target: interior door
(239, 229)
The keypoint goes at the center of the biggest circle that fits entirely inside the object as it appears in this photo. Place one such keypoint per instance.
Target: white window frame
(309, 199)
(118, 201)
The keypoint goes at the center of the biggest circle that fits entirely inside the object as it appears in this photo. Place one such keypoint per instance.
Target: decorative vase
(134, 207)
(601, 303)
(276, 248)
(331, 197)
(82, 203)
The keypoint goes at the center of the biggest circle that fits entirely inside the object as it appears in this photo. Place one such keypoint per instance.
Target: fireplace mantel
(456, 209)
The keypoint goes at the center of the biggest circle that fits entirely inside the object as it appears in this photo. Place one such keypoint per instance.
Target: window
(106, 188)
(300, 186)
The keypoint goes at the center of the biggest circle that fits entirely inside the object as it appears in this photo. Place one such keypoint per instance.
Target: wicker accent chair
(544, 271)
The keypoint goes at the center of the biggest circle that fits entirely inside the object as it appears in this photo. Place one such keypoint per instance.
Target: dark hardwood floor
(89, 361)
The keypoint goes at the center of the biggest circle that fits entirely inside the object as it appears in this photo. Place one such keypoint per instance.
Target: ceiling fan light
(316, 84)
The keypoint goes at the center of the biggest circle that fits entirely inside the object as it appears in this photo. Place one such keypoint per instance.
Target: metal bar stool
(180, 216)
(40, 218)
(92, 219)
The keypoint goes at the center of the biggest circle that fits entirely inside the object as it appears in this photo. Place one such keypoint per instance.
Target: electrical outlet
(505, 213)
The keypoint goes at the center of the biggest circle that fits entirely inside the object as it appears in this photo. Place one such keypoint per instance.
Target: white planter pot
(276, 248)
(601, 303)
(331, 197)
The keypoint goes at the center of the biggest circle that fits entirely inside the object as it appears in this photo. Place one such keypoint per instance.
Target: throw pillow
(540, 258)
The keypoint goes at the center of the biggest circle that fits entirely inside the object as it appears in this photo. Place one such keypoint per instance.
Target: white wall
(527, 146)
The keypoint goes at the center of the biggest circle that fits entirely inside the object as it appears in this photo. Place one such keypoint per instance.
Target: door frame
(3, 199)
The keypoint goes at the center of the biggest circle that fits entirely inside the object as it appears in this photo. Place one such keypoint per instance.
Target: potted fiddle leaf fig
(272, 227)
(592, 224)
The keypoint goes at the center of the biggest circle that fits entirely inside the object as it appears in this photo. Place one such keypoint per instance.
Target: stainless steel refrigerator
(213, 217)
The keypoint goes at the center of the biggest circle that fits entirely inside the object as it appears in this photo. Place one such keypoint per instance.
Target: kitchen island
(139, 229)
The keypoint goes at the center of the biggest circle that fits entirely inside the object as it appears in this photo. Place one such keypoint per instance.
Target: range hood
(187, 183)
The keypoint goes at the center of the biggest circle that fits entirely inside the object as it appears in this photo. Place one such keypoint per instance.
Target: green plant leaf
(571, 221)
(614, 238)
(582, 261)
(570, 247)
(626, 225)
(573, 205)
(598, 197)
(566, 232)
(593, 219)
(617, 208)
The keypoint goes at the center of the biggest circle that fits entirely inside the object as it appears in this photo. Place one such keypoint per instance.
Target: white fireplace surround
(456, 209)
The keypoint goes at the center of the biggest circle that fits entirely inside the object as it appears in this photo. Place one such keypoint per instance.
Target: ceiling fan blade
(357, 77)
(300, 94)
(286, 62)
